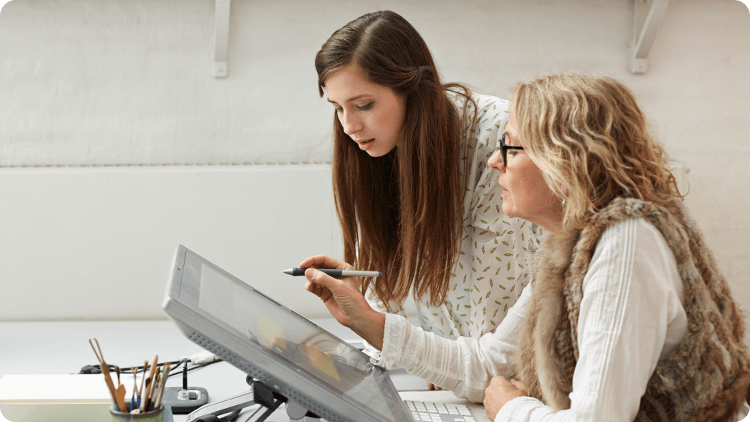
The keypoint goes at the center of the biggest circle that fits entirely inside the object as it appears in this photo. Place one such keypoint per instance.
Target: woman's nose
(496, 161)
(350, 122)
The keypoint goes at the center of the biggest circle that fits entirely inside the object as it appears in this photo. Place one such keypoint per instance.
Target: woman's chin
(375, 152)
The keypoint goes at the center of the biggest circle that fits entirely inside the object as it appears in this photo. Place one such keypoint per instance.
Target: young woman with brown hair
(414, 195)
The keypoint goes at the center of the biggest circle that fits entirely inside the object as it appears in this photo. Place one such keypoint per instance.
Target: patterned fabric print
(493, 265)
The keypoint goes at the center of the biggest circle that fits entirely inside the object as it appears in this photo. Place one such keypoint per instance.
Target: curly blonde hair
(592, 143)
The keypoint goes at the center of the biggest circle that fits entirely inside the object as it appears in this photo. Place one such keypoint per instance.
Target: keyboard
(425, 411)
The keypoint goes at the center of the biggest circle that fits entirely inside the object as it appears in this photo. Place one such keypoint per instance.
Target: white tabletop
(63, 348)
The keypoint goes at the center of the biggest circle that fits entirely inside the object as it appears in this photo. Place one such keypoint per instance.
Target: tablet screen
(314, 352)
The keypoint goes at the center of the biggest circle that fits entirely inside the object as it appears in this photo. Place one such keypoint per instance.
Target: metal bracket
(258, 398)
(647, 17)
(221, 37)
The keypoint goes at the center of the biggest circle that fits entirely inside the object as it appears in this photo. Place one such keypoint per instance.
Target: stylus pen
(335, 273)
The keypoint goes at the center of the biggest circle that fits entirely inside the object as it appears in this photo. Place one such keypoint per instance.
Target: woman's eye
(365, 107)
(512, 152)
(338, 110)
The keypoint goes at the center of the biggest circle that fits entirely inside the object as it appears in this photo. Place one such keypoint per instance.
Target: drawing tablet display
(286, 352)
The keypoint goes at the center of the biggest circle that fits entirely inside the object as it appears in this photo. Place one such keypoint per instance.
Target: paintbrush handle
(121, 399)
(144, 396)
(155, 388)
(149, 383)
(162, 385)
(143, 377)
(108, 380)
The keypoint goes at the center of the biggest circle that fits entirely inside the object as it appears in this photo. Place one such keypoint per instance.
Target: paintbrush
(134, 370)
(149, 383)
(165, 375)
(119, 402)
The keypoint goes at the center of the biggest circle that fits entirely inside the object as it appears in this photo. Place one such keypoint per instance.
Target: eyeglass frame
(504, 150)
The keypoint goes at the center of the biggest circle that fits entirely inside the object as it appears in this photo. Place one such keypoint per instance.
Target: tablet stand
(259, 394)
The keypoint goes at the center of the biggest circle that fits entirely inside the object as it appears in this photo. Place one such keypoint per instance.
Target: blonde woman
(627, 317)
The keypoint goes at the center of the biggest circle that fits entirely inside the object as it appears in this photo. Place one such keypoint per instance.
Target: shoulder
(485, 104)
(484, 118)
(492, 113)
(631, 234)
(618, 217)
(490, 106)
(657, 224)
(634, 246)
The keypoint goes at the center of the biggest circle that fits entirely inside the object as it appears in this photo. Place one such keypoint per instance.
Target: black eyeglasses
(504, 150)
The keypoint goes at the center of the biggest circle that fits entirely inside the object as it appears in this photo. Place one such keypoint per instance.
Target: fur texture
(704, 378)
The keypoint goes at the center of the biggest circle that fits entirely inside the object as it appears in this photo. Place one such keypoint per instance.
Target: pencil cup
(151, 416)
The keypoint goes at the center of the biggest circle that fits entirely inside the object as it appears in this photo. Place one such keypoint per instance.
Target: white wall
(97, 243)
(128, 82)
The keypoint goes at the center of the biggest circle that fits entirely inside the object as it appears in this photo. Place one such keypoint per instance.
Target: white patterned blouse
(493, 266)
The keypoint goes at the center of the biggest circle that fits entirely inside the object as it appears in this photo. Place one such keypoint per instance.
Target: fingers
(324, 286)
(499, 381)
(518, 385)
(324, 261)
(323, 293)
(319, 278)
(499, 392)
(313, 288)
(431, 386)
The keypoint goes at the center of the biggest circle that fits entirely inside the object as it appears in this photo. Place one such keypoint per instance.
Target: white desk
(63, 348)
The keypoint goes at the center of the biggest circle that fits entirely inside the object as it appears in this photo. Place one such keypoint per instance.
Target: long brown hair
(401, 213)
(592, 142)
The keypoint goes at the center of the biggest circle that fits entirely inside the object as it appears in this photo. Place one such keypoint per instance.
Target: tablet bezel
(273, 371)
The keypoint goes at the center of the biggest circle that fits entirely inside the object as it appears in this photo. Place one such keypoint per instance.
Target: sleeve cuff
(396, 335)
(520, 409)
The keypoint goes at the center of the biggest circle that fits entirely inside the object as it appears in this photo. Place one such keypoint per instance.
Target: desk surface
(63, 348)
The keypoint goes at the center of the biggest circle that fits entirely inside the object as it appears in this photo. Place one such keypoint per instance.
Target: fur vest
(703, 378)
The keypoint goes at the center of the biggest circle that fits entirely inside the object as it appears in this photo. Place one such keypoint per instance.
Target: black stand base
(182, 401)
(259, 396)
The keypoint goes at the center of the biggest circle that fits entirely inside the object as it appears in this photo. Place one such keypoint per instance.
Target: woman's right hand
(344, 299)
(325, 261)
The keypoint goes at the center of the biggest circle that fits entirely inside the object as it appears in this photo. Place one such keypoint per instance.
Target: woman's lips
(364, 145)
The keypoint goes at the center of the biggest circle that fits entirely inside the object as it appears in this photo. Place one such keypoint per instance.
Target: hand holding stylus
(334, 272)
(344, 299)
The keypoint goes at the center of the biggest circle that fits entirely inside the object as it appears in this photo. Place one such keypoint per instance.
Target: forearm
(377, 305)
(444, 362)
(371, 328)
(463, 366)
